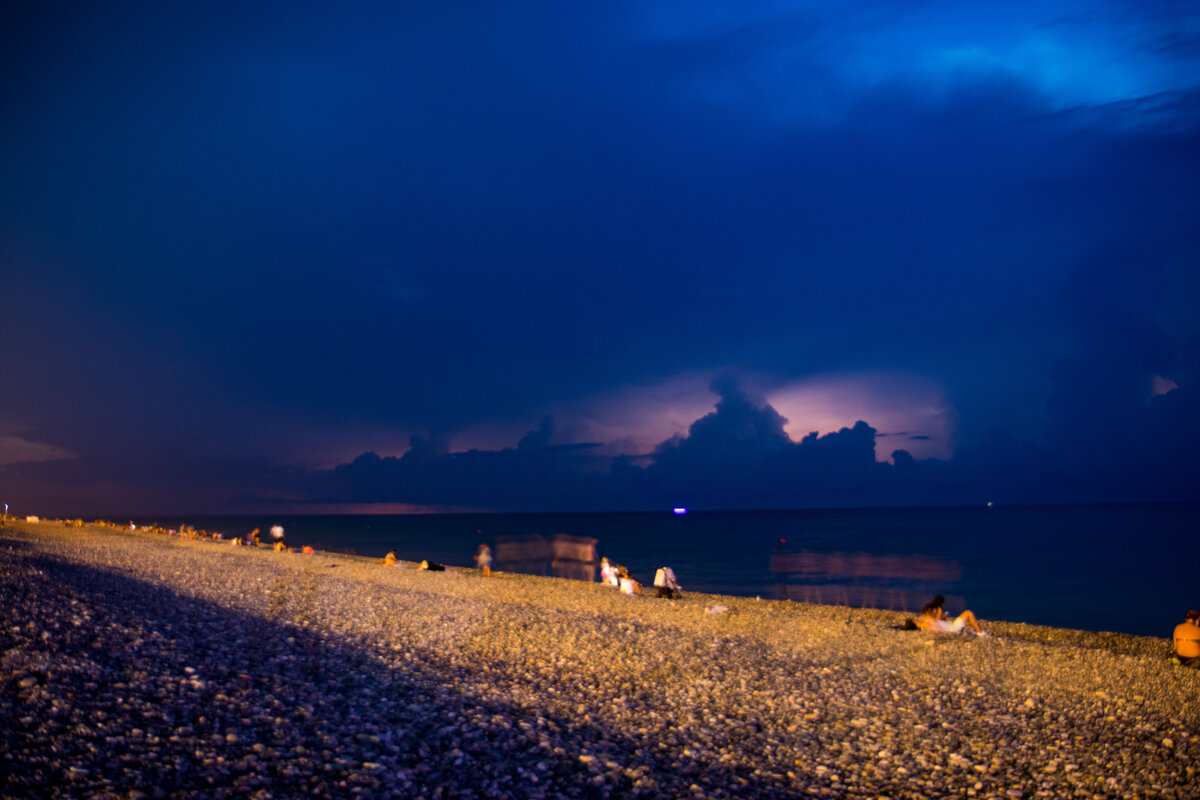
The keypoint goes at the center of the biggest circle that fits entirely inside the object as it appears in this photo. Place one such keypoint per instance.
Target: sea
(1130, 568)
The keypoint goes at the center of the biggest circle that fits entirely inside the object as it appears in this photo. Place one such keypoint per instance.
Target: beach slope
(143, 665)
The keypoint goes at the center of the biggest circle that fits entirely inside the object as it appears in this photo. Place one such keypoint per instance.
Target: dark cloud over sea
(266, 254)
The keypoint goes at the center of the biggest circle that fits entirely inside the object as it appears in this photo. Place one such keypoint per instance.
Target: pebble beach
(142, 665)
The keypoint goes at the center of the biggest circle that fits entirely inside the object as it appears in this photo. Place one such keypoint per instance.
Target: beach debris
(716, 608)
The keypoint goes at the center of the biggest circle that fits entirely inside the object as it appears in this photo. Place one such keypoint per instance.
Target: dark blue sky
(609, 255)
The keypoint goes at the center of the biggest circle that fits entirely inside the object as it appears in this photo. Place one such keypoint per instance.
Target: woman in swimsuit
(933, 618)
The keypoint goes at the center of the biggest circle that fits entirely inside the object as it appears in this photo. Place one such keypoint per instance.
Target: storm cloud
(242, 247)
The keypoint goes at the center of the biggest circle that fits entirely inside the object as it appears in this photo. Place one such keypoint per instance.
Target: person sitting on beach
(483, 559)
(608, 572)
(933, 618)
(615, 573)
(628, 584)
(1187, 639)
(664, 579)
(390, 559)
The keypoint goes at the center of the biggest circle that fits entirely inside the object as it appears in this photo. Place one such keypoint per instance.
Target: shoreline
(1112, 588)
(330, 672)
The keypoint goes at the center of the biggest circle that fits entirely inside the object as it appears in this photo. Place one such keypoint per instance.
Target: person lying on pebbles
(933, 618)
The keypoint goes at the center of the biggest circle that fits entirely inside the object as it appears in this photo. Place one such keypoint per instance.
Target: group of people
(1186, 638)
(483, 559)
(932, 617)
(618, 577)
(252, 538)
(390, 560)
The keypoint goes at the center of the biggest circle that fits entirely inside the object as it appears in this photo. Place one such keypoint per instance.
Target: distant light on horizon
(680, 510)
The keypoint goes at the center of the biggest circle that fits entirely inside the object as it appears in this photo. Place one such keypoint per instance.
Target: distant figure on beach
(308, 550)
(433, 566)
(628, 584)
(1187, 638)
(277, 533)
(933, 618)
(390, 559)
(664, 579)
(252, 540)
(483, 559)
(609, 573)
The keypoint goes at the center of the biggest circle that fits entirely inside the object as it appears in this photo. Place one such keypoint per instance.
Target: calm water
(1108, 567)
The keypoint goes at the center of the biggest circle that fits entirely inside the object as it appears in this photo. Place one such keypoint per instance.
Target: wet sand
(145, 665)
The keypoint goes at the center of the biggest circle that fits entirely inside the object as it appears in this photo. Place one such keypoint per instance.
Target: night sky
(587, 256)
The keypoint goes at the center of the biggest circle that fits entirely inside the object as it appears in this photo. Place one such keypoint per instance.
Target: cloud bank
(740, 456)
(295, 238)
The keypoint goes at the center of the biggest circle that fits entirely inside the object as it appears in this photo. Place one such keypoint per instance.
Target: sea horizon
(1093, 566)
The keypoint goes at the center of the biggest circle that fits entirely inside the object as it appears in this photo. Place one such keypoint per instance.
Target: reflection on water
(560, 555)
(861, 580)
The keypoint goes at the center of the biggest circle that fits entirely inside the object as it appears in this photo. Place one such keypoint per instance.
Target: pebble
(205, 671)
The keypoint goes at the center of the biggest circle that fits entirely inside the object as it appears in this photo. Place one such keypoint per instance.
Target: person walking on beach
(1187, 639)
(483, 558)
(933, 618)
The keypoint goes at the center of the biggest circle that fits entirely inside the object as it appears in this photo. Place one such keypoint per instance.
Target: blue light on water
(679, 510)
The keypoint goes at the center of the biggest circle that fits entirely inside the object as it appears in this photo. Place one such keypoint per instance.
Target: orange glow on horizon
(909, 412)
(898, 406)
